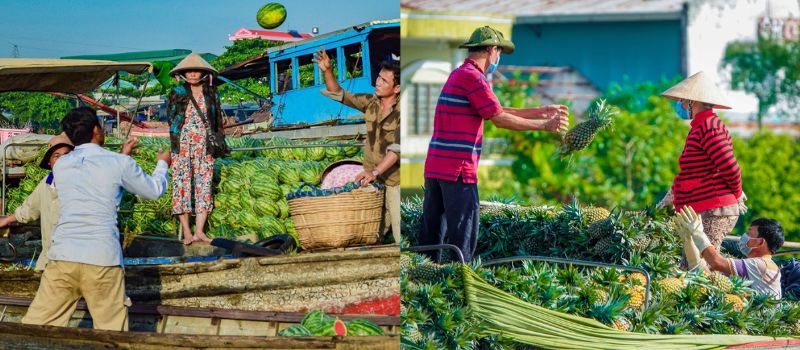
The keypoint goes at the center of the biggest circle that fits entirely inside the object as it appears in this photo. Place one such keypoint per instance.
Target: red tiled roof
(270, 34)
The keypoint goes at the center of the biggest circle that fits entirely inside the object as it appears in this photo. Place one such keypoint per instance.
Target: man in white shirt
(86, 254)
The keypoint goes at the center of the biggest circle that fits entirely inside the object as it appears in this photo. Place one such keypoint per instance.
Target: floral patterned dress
(192, 163)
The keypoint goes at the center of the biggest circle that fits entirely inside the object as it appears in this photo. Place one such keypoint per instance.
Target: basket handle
(304, 185)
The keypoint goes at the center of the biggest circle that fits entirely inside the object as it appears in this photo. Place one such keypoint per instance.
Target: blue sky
(55, 28)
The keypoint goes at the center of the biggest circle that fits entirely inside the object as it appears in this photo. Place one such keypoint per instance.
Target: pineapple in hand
(581, 136)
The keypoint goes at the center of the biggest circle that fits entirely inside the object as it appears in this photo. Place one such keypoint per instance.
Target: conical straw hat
(192, 62)
(699, 88)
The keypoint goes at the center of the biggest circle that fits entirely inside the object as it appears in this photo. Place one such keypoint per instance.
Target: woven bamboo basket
(338, 220)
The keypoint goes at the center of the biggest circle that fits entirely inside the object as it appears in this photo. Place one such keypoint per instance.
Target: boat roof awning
(61, 75)
(173, 55)
(257, 67)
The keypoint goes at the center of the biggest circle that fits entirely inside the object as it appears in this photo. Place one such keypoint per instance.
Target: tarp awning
(173, 55)
(257, 67)
(60, 75)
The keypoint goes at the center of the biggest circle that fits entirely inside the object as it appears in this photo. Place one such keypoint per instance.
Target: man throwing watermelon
(382, 147)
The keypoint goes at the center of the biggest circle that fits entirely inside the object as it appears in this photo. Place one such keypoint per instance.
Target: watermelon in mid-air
(271, 15)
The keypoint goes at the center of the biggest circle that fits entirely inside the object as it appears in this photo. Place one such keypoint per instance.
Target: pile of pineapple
(435, 316)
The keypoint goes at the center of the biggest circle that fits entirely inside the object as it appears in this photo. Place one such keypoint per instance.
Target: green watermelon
(270, 226)
(283, 205)
(363, 327)
(266, 208)
(271, 15)
(315, 153)
(296, 330)
(351, 150)
(317, 322)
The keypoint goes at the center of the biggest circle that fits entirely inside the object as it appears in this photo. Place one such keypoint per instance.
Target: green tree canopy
(769, 69)
(40, 108)
(238, 52)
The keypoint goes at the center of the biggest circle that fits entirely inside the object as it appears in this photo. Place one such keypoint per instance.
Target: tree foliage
(238, 52)
(45, 111)
(767, 68)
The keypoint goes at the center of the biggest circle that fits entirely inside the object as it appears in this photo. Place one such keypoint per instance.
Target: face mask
(743, 245)
(493, 66)
(683, 113)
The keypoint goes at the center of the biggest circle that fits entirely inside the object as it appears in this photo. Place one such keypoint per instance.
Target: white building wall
(715, 23)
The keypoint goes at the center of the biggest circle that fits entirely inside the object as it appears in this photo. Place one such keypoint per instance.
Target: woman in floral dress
(192, 164)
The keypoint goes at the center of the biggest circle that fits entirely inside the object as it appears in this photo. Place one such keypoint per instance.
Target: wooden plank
(329, 132)
(189, 325)
(252, 328)
(244, 315)
(184, 268)
(22, 336)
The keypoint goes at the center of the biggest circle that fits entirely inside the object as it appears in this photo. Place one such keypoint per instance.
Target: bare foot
(187, 240)
(201, 237)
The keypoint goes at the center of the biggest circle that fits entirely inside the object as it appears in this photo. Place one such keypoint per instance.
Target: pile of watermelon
(138, 216)
(33, 175)
(317, 323)
(250, 187)
(251, 197)
(284, 149)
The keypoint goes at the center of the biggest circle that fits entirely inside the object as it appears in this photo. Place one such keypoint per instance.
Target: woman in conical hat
(709, 180)
(188, 131)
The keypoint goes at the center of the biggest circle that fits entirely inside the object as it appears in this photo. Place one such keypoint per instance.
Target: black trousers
(451, 214)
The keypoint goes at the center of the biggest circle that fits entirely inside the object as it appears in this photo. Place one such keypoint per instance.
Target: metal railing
(436, 247)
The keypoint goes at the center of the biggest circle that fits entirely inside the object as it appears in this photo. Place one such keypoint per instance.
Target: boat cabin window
(306, 71)
(284, 77)
(355, 60)
(334, 67)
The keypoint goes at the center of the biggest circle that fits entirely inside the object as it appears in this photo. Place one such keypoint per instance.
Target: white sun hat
(698, 87)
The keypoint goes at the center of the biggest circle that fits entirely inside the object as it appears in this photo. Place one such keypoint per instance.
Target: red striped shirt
(709, 174)
(466, 101)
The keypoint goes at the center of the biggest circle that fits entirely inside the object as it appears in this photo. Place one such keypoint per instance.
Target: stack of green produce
(435, 314)
(137, 215)
(317, 323)
(321, 154)
(33, 175)
(251, 196)
(250, 187)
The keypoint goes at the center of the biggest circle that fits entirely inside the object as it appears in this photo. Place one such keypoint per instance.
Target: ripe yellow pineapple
(636, 278)
(672, 224)
(720, 281)
(602, 296)
(672, 285)
(622, 323)
(641, 242)
(637, 296)
(406, 262)
(737, 301)
(795, 329)
(595, 214)
(582, 135)
(415, 335)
